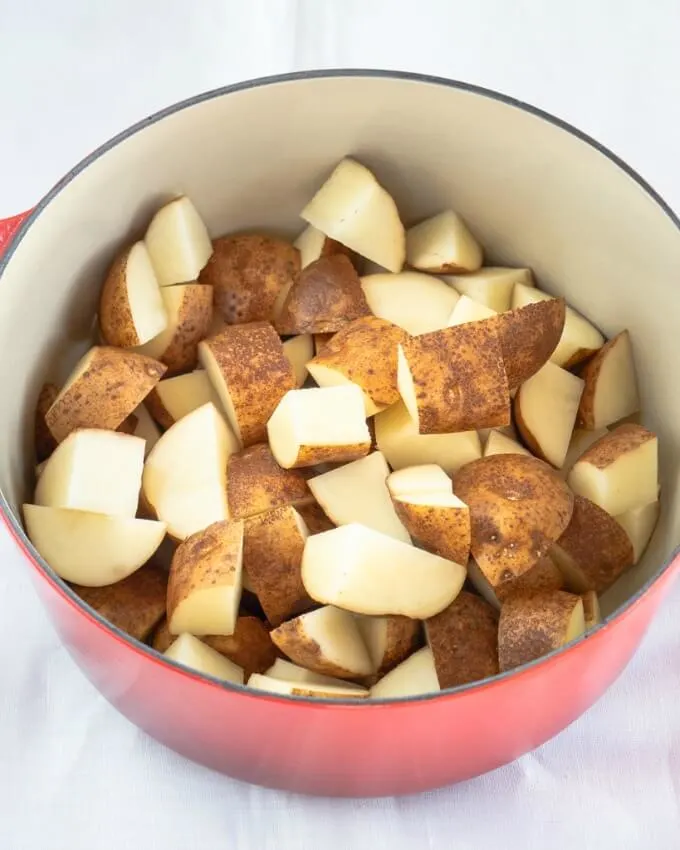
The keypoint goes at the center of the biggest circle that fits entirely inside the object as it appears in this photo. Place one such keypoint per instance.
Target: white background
(73, 773)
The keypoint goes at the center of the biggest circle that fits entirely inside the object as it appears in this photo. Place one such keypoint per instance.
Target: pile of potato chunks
(367, 486)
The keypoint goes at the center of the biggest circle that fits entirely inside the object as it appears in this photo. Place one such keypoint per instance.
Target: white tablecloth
(73, 773)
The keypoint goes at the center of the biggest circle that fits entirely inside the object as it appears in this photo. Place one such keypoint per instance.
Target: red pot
(538, 193)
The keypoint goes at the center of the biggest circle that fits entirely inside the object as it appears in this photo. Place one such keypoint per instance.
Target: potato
(464, 641)
(534, 625)
(415, 675)
(443, 244)
(518, 506)
(491, 286)
(620, 471)
(545, 410)
(204, 587)
(325, 641)
(466, 310)
(639, 524)
(94, 470)
(528, 337)
(146, 428)
(172, 398)
(417, 303)
(45, 443)
(591, 609)
(543, 576)
(389, 640)
(594, 549)
(89, 548)
(354, 209)
(610, 392)
(248, 368)
(325, 297)
(320, 341)
(357, 492)
(134, 605)
(363, 352)
(273, 544)
(314, 517)
(193, 653)
(580, 441)
(454, 379)
(178, 243)
(313, 244)
(299, 350)
(361, 570)
(499, 444)
(325, 425)
(128, 425)
(248, 273)
(256, 483)
(189, 311)
(289, 672)
(103, 390)
(397, 437)
(131, 310)
(305, 689)
(579, 339)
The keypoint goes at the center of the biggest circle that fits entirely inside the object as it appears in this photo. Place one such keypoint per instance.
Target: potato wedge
(131, 310)
(172, 398)
(580, 441)
(545, 409)
(313, 244)
(94, 470)
(178, 242)
(273, 544)
(305, 689)
(193, 653)
(543, 576)
(610, 392)
(354, 209)
(639, 524)
(103, 390)
(89, 548)
(325, 425)
(251, 374)
(464, 641)
(189, 310)
(591, 609)
(314, 517)
(419, 479)
(443, 244)
(498, 444)
(204, 586)
(397, 437)
(454, 379)
(389, 640)
(326, 296)
(361, 570)
(356, 492)
(256, 483)
(620, 471)
(492, 285)
(135, 605)
(594, 549)
(415, 675)
(146, 428)
(534, 625)
(45, 443)
(184, 479)
(325, 641)
(289, 672)
(579, 339)
(299, 350)
(528, 337)
(466, 310)
(417, 303)
(363, 352)
(519, 507)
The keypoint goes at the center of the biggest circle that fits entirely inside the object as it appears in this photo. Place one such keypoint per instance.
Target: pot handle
(8, 227)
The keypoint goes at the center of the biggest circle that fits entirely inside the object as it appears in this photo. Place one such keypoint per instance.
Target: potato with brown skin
(594, 549)
(363, 352)
(591, 609)
(519, 507)
(45, 443)
(173, 398)
(389, 640)
(534, 625)
(190, 309)
(320, 341)
(256, 483)
(454, 379)
(135, 605)
(273, 544)
(248, 271)
(326, 296)
(610, 393)
(103, 390)
(315, 519)
(440, 528)
(464, 641)
(249, 646)
(313, 244)
(544, 575)
(251, 373)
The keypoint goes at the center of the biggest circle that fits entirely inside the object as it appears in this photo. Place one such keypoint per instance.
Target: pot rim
(15, 527)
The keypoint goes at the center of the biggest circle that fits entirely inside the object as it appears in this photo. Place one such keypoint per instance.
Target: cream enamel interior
(587, 229)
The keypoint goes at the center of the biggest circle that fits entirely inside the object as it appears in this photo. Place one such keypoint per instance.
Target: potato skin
(464, 641)
(528, 336)
(314, 518)
(442, 530)
(292, 639)
(247, 273)
(135, 605)
(609, 448)
(326, 296)
(315, 455)
(519, 506)
(45, 443)
(107, 392)
(115, 317)
(591, 375)
(195, 319)
(256, 483)
(543, 576)
(404, 636)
